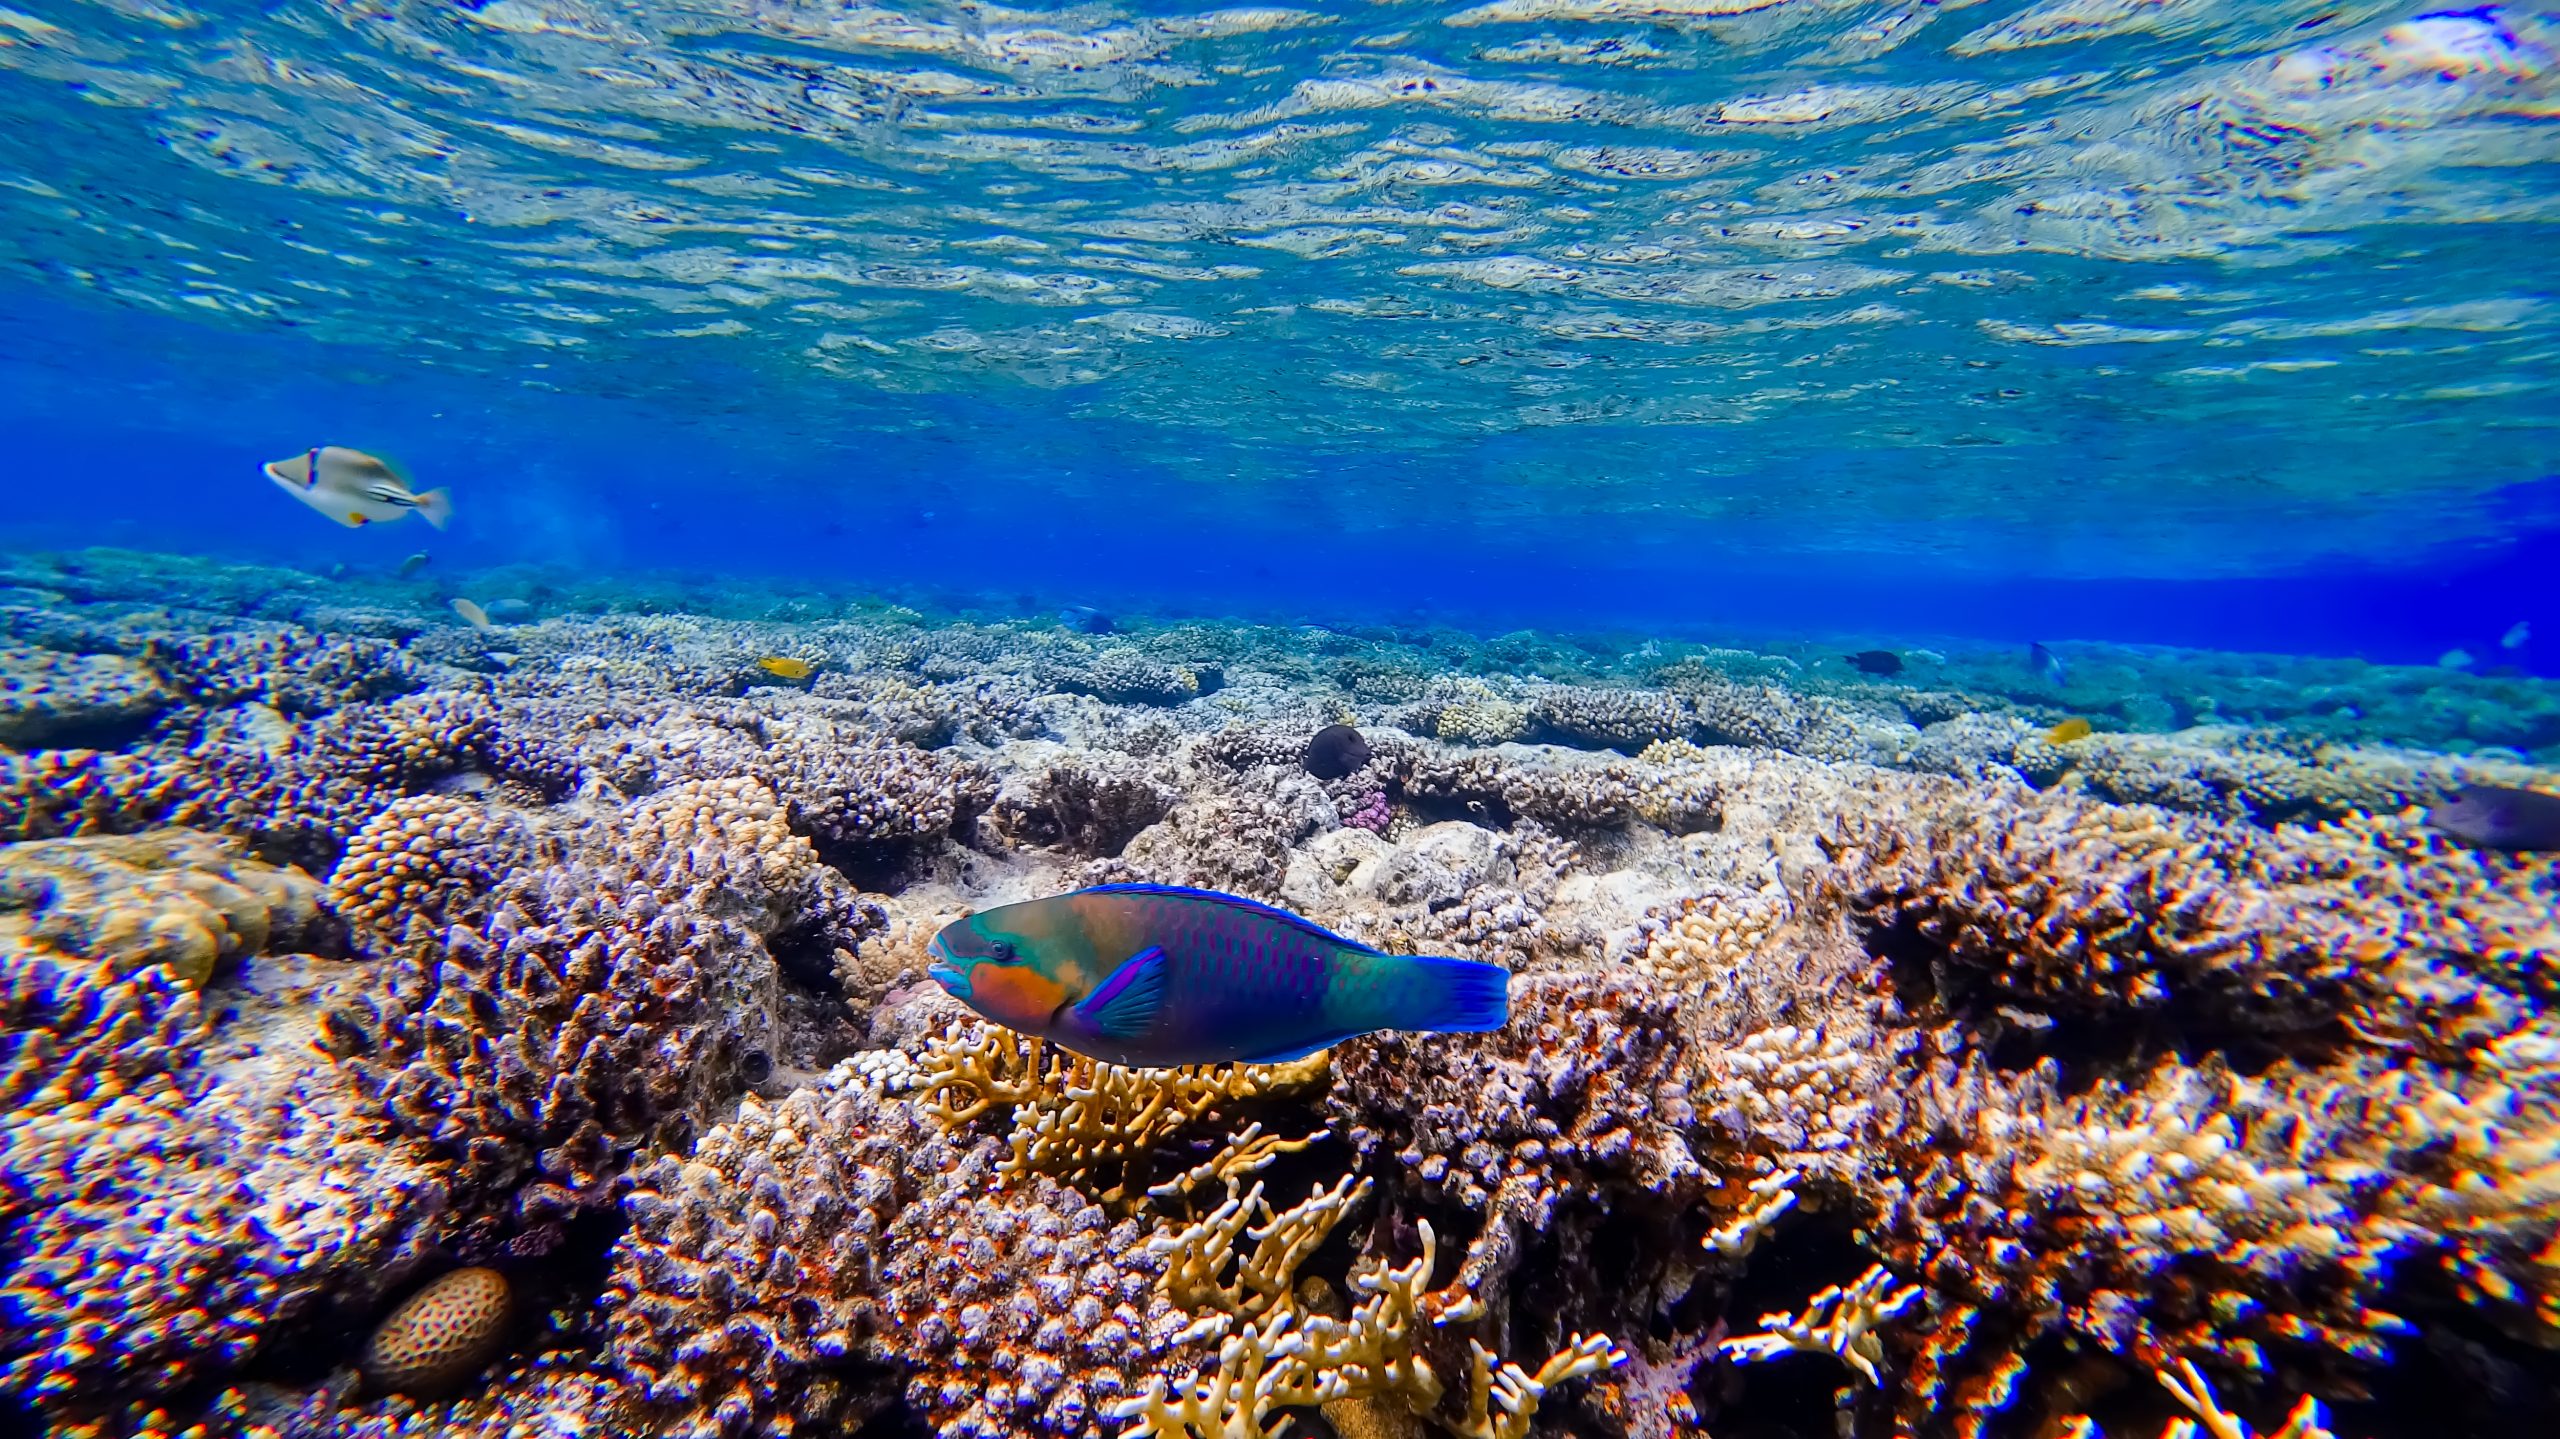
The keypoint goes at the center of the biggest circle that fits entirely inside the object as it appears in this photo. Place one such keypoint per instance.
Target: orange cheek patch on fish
(1016, 995)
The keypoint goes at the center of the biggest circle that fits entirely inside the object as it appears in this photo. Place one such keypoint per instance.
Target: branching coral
(1835, 1321)
(181, 1182)
(1275, 1353)
(1577, 1109)
(1609, 718)
(1095, 1125)
(598, 1002)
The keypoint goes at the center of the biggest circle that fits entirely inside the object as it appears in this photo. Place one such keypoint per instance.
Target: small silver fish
(356, 489)
(474, 616)
(2047, 664)
(2516, 636)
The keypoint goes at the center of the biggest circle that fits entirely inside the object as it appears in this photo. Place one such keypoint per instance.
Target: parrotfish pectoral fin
(1127, 1004)
(1470, 996)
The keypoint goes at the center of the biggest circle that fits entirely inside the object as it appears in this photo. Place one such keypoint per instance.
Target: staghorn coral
(1275, 1352)
(1095, 1125)
(2259, 1221)
(47, 698)
(1835, 1321)
(2326, 1123)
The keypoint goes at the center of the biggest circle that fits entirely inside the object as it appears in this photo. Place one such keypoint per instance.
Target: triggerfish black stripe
(1147, 974)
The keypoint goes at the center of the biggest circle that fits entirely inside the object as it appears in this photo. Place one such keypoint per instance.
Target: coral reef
(1884, 1060)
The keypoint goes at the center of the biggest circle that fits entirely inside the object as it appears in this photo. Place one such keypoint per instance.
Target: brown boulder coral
(589, 1006)
(815, 1255)
(440, 1335)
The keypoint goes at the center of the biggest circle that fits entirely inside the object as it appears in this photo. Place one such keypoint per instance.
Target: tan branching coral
(1276, 1353)
(2187, 1385)
(1094, 1125)
(1198, 1258)
(1835, 1321)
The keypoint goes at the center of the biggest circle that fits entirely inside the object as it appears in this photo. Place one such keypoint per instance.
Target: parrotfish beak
(950, 976)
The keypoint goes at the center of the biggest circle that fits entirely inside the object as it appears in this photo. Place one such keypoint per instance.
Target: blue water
(2202, 324)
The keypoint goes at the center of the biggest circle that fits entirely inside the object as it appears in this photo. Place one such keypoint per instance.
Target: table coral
(48, 698)
(176, 898)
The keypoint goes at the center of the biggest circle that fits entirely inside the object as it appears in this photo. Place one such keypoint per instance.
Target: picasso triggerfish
(1154, 975)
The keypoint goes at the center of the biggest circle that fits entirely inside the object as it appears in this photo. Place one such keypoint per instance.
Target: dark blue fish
(2497, 816)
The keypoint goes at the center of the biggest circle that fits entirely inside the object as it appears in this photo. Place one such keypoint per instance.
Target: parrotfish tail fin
(1458, 996)
(437, 508)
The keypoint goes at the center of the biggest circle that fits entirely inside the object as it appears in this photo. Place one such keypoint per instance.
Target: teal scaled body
(1143, 974)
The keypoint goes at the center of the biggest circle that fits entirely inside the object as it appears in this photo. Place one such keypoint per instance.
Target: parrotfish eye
(1001, 951)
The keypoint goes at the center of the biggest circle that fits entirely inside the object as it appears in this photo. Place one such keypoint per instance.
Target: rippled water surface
(2129, 278)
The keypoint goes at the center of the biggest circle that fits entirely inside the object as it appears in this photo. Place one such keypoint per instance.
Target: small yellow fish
(474, 616)
(2074, 728)
(783, 667)
(356, 489)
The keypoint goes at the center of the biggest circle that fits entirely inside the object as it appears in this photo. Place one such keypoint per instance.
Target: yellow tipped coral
(1094, 1125)
(1835, 1321)
(1276, 1351)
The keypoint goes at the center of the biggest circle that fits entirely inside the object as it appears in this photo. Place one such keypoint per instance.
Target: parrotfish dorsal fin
(1236, 901)
(1126, 1005)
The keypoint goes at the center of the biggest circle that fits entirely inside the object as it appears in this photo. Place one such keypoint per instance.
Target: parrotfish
(1156, 975)
(356, 489)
